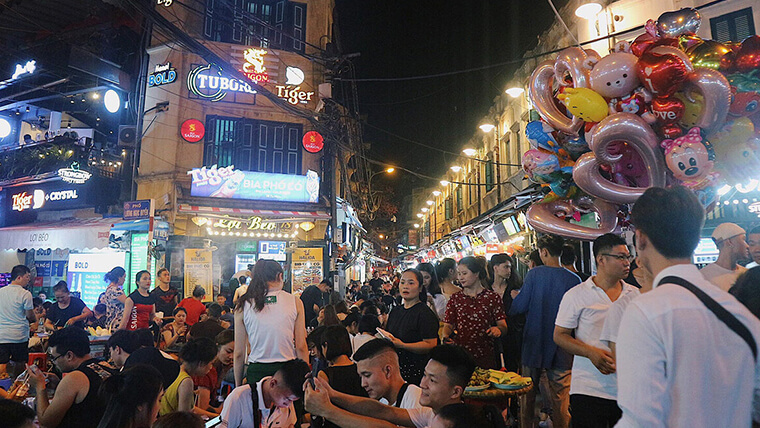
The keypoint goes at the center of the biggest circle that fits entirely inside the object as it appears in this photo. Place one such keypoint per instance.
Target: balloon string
(559, 17)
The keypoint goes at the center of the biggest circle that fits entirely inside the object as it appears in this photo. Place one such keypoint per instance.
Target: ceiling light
(5, 128)
(95, 95)
(445, 182)
(487, 127)
(416, 225)
(456, 168)
(515, 91)
(588, 10)
(470, 152)
(420, 215)
(429, 202)
(436, 193)
(424, 209)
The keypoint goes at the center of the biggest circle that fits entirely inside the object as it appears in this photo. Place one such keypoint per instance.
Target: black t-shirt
(208, 328)
(311, 296)
(343, 379)
(168, 368)
(59, 316)
(88, 412)
(376, 284)
(412, 325)
(166, 301)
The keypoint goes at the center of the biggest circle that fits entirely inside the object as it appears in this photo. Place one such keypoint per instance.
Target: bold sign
(74, 175)
(138, 210)
(162, 75)
(85, 273)
(27, 68)
(313, 142)
(227, 182)
(208, 82)
(294, 95)
(192, 130)
(254, 65)
(36, 200)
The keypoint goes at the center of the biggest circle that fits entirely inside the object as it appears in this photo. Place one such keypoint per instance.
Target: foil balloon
(540, 136)
(688, 42)
(744, 103)
(635, 131)
(584, 103)
(642, 43)
(662, 73)
(678, 23)
(575, 146)
(690, 158)
(668, 110)
(567, 70)
(614, 77)
(716, 93)
(549, 217)
(629, 170)
(730, 138)
(709, 54)
(739, 163)
(544, 168)
(693, 104)
(748, 57)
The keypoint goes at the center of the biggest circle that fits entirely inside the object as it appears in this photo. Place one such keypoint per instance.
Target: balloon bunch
(669, 108)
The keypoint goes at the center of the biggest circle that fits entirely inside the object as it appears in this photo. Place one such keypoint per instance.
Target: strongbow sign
(74, 175)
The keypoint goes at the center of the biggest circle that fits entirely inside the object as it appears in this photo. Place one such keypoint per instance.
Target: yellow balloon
(585, 104)
(731, 135)
(707, 54)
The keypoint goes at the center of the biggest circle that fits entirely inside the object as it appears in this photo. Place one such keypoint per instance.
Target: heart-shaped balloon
(716, 93)
(678, 23)
(636, 132)
(748, 57)
(642, 43)
(566, 70)
(661, 72)
(667, 110)
(549, 217)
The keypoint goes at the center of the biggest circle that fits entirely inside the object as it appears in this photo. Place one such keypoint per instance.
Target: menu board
(307, 268)
(86, 272)
(198, 272)
(273, 250)
(139, 259)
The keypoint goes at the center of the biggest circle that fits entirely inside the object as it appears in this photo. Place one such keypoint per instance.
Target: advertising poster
(139, 260)
(228, 182)
(307, 268)
(198, 272)
(86, 272)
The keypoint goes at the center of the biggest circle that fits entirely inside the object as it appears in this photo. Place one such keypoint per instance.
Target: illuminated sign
(27, 68)
(24, 201)
(294, 95)
(294, 76)
(166, 3)
(192, 130)
(313, 142)
(252, 223)
(227, 182)
(754, 208)
(208, 82)
(162, 75)
(254, 65)
(74, 175)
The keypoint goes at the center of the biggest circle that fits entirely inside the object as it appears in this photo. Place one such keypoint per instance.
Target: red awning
(200, 210)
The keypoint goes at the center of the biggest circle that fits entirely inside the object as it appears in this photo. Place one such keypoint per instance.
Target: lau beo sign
(227, 182)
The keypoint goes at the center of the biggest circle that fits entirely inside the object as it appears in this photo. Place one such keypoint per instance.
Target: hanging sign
(192, 130)
(313, 142)
(138, 210)
(227, 182)
(253, 223)
(163, 74)
(74, 175)
(294, 94)
(27, 68)
(254, 65)
(210, 83)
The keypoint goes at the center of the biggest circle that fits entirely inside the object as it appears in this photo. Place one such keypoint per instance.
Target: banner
(228, 182)
(307, 268)
(198, 272)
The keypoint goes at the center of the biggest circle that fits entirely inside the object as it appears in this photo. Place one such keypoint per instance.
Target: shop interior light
(588, 11)
(95, 95)
(470, 152)
(112, 101)
(279, 235)
(436, 193)
(515, 92)
(416, 225)
(487, 127)
(306, 226)
(5, 127)
(736, 202)
(456, 168)
(445, 182)
(429, 202)
(420, 215)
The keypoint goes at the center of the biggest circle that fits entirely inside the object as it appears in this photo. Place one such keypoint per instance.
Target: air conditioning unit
(127, 135)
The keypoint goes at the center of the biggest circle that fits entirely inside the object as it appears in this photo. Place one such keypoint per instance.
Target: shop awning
(201, 210)
(86, 234)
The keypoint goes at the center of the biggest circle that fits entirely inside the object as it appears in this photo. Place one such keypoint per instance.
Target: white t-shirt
(421, 417)
(271, 332)
(440, 301)
(238, 410)
(614, 315)
(721, 276)
(360, 339)
(410, 400)
(14, 302)
(584, 308)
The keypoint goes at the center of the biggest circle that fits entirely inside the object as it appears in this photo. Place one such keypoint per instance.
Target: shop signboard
(139, 258)
(307, 268)
(163, 74)
(74, 175)
(247, 247)
(228, 182)
(198, 272)
(210, 83)
(192, 130)
(294, 94)
(86, 271)
(254, 68)
(313, 142)
(272, 250)
(138, 210)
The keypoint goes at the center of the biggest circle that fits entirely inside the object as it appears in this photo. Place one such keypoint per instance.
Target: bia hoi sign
(227, 182)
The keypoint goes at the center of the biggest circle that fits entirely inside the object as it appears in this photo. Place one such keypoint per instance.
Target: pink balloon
(543, 218)
(716, 91)
(612, 129)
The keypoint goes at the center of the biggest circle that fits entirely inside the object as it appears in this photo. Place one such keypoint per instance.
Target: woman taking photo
(140, 306)
(272, 321)
(447, 272)
(174, 334)
(133, 398)
(114, 297)
(477, 314)
(436, 299)
(506, 283)
(412, 327)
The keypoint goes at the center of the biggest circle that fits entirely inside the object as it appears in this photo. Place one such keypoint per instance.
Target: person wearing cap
(730, 239)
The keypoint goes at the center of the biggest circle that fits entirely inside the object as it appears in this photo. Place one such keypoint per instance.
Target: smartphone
(314, 373)
(213, 422)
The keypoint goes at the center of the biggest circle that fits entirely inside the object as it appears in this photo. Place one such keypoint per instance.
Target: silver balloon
(612, 129)
(543, 217)
(679, 23)
(716, 92)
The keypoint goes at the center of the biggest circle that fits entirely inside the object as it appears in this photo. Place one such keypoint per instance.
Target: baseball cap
(726, 231)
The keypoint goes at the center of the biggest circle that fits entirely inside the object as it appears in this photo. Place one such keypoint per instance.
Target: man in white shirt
(615, 312)
(274, 399)
(730, 239)
(593, 385)
(753, 240)
(16, 312)
(446, 376)
(378, 367)
(678, 364)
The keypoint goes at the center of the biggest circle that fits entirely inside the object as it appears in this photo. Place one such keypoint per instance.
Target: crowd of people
(647, 341)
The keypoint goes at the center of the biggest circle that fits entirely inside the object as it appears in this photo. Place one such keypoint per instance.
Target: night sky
(421, 37)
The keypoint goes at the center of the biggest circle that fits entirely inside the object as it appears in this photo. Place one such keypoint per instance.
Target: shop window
(253, 145)
(733, 27)
(277, 24)
(427, 229)
(460, 205)
(447, 208)
(490, 174)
